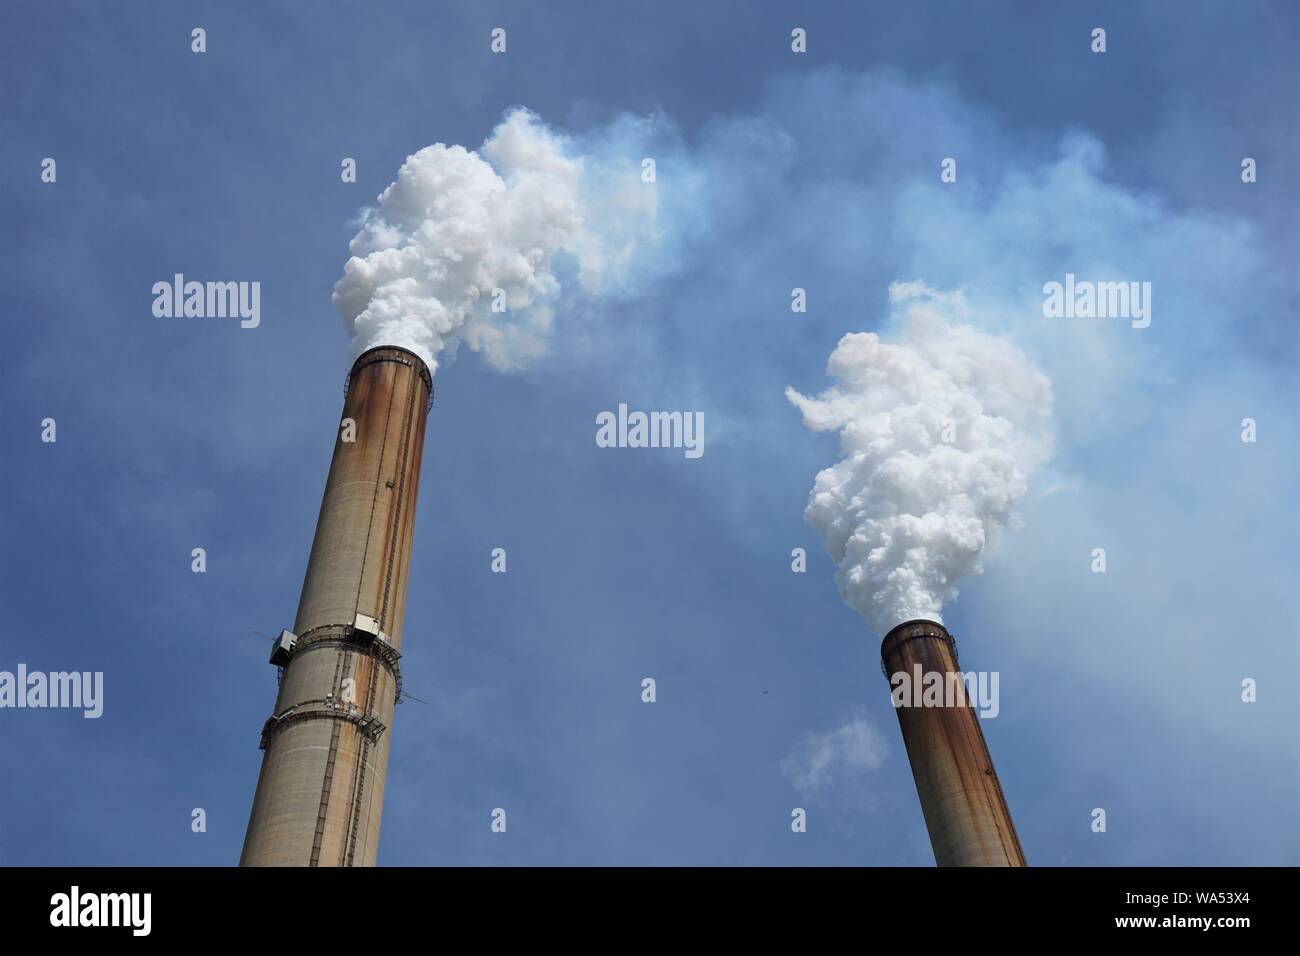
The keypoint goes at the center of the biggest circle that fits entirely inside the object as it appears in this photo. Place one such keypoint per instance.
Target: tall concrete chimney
(961, 798)
(321, 789)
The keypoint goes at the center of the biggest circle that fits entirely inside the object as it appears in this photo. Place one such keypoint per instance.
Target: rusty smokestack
(321, 789)
(961, 798)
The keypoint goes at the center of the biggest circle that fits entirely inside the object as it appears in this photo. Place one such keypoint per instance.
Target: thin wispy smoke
(824, 759)
(458, 225)
(939, 434)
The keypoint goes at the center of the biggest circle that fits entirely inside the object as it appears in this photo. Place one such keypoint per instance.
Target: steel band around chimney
(387, 353)
(367, 722)
(914, 630)
(340, 635)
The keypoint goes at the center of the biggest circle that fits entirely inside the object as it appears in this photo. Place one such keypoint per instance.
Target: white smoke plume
(458, 224)
(939, 434)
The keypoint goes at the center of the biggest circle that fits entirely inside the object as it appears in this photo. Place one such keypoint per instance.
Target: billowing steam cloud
(461, 246)
(939, 434)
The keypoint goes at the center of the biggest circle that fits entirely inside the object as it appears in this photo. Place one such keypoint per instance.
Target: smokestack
(961, 798)
(321, 788)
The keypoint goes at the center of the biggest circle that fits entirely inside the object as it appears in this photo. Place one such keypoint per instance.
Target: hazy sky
(775, 170)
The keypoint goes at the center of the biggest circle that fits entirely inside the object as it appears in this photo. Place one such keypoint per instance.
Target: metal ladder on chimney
(363, 756)
(328, 783)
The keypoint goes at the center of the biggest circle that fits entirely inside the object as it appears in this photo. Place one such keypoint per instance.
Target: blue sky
(1118, 691)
